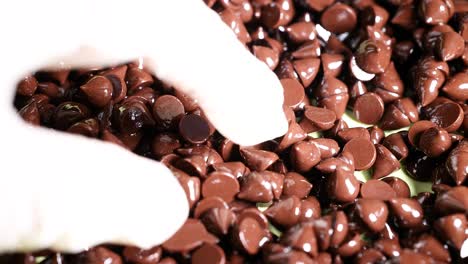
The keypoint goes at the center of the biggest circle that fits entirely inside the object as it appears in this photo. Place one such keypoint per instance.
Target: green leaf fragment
(275, 231)
(263, 206)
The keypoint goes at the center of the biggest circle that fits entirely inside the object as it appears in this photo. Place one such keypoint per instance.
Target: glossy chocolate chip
(256, 187)
(301, 237)
(285, 212)
(351, 246)
(333, 94)
(368, 108)
(389, 85)
(304, 156)
(452, 229)
(250, 232)
(191, 235)
(194, 128)
(132, 115)
(296, 185)
(385, 163)
(307, 69)
(429, 75)
(434, 141)
(435, 12)
(295, 134)
(429, 245)
(293, 93)
(455, 200)
(449, 45)
(88, 127)
(27, 86)
(457, 162)
(328, 147)
(209, 203)
(373, 213)
(137, 77)
(164, 143)
(448, 116)
(277, 13)
(68, 113)
(222, 185)
(310, 209)
(30, 113)
(376, 189)
(236, 25)
(339, 18)
(98, 90)
(373, 56)
(408, 212)
(218, 220)
(117, 77)
(258, 160)
(142, 256)
(363, 152)
(208, 254)
(376, 134)
(396, 144)
(343, 186)
(301, 31)
(167, 110)
(456, 87)
(317, 119)
(400, 187)
(323, 230)
(332, 64)
(415, 131)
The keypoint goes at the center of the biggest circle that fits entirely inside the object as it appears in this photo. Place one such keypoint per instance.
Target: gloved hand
(68, 192)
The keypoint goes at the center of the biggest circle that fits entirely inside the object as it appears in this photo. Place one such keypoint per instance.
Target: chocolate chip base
(372, 170)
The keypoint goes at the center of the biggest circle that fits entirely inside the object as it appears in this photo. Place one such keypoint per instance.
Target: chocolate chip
(218, 220)
(328, 147)
(407, 211)
(415, 131)
(339, 18)
(452, 228)
(30, 113)
(368, 108)
(343, 186)
(295, 134)
(351, 247)
(194, 129)
(285, 212)
(455, 200)
(310, 209)
(208, 203)
(236, 24)
(191, 235)
(429, 245)
(332, 64)
(27, 86)
(457, 162)
(293, 93)
(97, 255)
(396, 144)
(434, 141)
(250, 231)
(168, 110)
(301, 31)
(301, 237)
(333, 94)
(137, 78)
(222, 185)
(456, 88)
(385, 163)
(88, 127)
(142, 256)
(376, 134)
(258, 160)
(317, 119)
(208, 254)
(448, 116)
(307, 69)
(363, 152)
(304, 156)
(389, 85)
(373, 213)
(373, 56)
(376, 189)
(98, 90)
(296, 185)
(400, 187)
(257, 187)
(435, 12)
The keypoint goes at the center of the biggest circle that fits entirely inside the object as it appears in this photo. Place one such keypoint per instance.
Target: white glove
(68, 192)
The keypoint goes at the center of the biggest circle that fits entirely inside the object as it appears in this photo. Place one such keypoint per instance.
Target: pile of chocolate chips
(397, 67)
